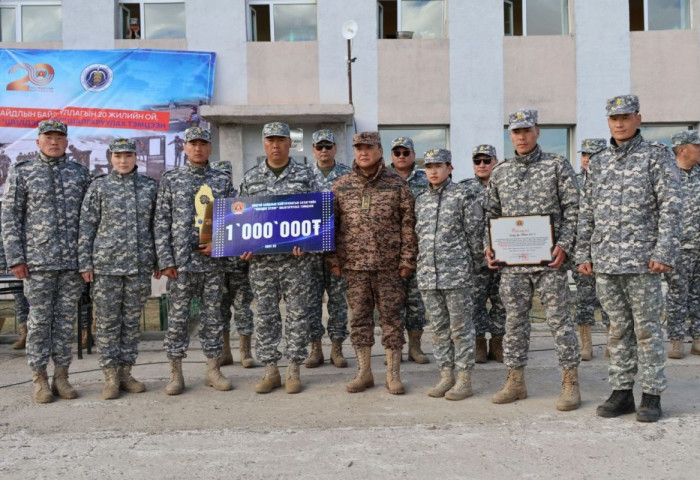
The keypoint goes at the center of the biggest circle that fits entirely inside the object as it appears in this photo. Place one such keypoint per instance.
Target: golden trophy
(204, 218)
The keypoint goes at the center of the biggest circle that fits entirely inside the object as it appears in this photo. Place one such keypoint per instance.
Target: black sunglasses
(477, 161)
(401, 153)
(324, 147)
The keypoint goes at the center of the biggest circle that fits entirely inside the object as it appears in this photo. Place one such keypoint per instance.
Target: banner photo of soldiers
(273, 224)
(149, 96)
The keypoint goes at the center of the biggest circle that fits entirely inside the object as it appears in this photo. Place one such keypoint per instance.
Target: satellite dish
(349, 29)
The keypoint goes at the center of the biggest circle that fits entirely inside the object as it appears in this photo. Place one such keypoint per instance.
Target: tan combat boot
(42, 391)
(414, 348)
(111, 389)
(316, 356)
(226, 357)
(695, 349)
(570, 398)
(496, 348)
(270, 381)
(176, 385)
(514, 389)
(246, 357)
(61, 386)
(21, 342)
(481, 356)
(128, 383)
(607, 341)
(292, 384)
(337, 357)
(584, 332)
(447, 381)
(364, 378)
(676, 351)
(462, 388)
(214, 378)
(393, 372)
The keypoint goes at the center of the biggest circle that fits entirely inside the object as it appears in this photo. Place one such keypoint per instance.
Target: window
(662, 133)
(422, 18)
(535, 17)
(152, 19)
(31, 21)
(281, 21)
(552, 140)
(424, 138)
(659, 15)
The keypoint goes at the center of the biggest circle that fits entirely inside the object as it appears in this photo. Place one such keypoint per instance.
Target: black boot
(650, 408)
(619, 403)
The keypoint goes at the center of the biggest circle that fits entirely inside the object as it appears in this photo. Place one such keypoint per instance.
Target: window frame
(676, 127)
(399, 19)
(523, 7)
(142, 15)
(685, 7)
(17, 6)
(271, 4)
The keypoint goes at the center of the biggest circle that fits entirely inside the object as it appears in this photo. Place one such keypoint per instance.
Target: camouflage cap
(366, 138)
(484, 149)
(197, 133)
(437, 155)
(275, 129)
(523, 118)
(122, 145)
(405, 142)
(223, 165)
(685, 137)
(322, 136)
(622, 104)
(46, 126)
(593, 145)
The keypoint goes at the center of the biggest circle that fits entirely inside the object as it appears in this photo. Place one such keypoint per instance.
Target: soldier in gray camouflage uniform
(21, 306)
(40, 216)
(448, 218)
(486, 280)
(116, 252)
(273, 277)
(535, 182)
(403, 160)
(628, 233)
(327, 170)
(187, 263)
(683, 295)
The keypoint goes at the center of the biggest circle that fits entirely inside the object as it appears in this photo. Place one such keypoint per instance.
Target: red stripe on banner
(16, 117)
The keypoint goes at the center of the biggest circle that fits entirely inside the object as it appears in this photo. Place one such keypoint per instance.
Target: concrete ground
(325, 432)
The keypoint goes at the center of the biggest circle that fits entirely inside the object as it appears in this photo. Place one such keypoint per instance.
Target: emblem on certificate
(525, 240)
(204, 215)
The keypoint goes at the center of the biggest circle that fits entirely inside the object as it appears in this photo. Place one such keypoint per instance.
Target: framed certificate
(524, 240)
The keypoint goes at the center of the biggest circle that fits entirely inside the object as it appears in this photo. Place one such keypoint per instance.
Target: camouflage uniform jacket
(174, 227)
(3, 260)
(296, 178)
(475, 187)
(116, 225)
(449, 225)
(325, 183)
(417, 181)
(41, 213)
(381, 236)
(690, 189)
(631, 209)
(581, 179)
(533, 184)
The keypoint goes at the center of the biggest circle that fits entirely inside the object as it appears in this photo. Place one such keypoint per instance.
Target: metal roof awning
(259, 114)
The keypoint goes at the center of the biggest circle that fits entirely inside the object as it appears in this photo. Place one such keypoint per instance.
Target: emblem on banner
(237, 208)
(96, 77)
(38, 75)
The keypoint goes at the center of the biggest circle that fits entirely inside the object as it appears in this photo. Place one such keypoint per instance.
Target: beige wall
(282, 73)
(414, 82)
(157, 43)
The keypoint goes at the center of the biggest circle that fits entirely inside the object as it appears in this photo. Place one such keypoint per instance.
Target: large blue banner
(273, 224)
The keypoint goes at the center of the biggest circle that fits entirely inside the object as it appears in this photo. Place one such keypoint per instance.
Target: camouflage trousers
(21, 307)
(323, 280)
(385, 289)
(587, 301)
(236, 293)
(453, 328)
(633, 302)
(118, 303)
(207, 287)
(683, 296)
(413, 311)
(516, 292)
(273, 278)
(486, 286)
(53, 296)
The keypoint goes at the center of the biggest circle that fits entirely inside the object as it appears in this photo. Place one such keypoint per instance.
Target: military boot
(393, 372)
(110, 391)
(246, 357)
(676, 351)
(695, 349)
(214, 378)
(584, 332)
(176, 384)
(270, 381)
(42, 391)
(21, 342)
(619, 403)
(414, 348)
(226, 356)
(316, 356)
(292, 384)
(128, 383)
(61, 386)
(570, 398)
(514, 389)
(650, 408)
(462, 388)
(607, 341)
(364, 378)
(496, 348)
(337, 357)
(447, 381)
(481, 355)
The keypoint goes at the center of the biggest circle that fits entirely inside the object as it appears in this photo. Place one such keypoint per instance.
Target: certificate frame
(522, 240)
